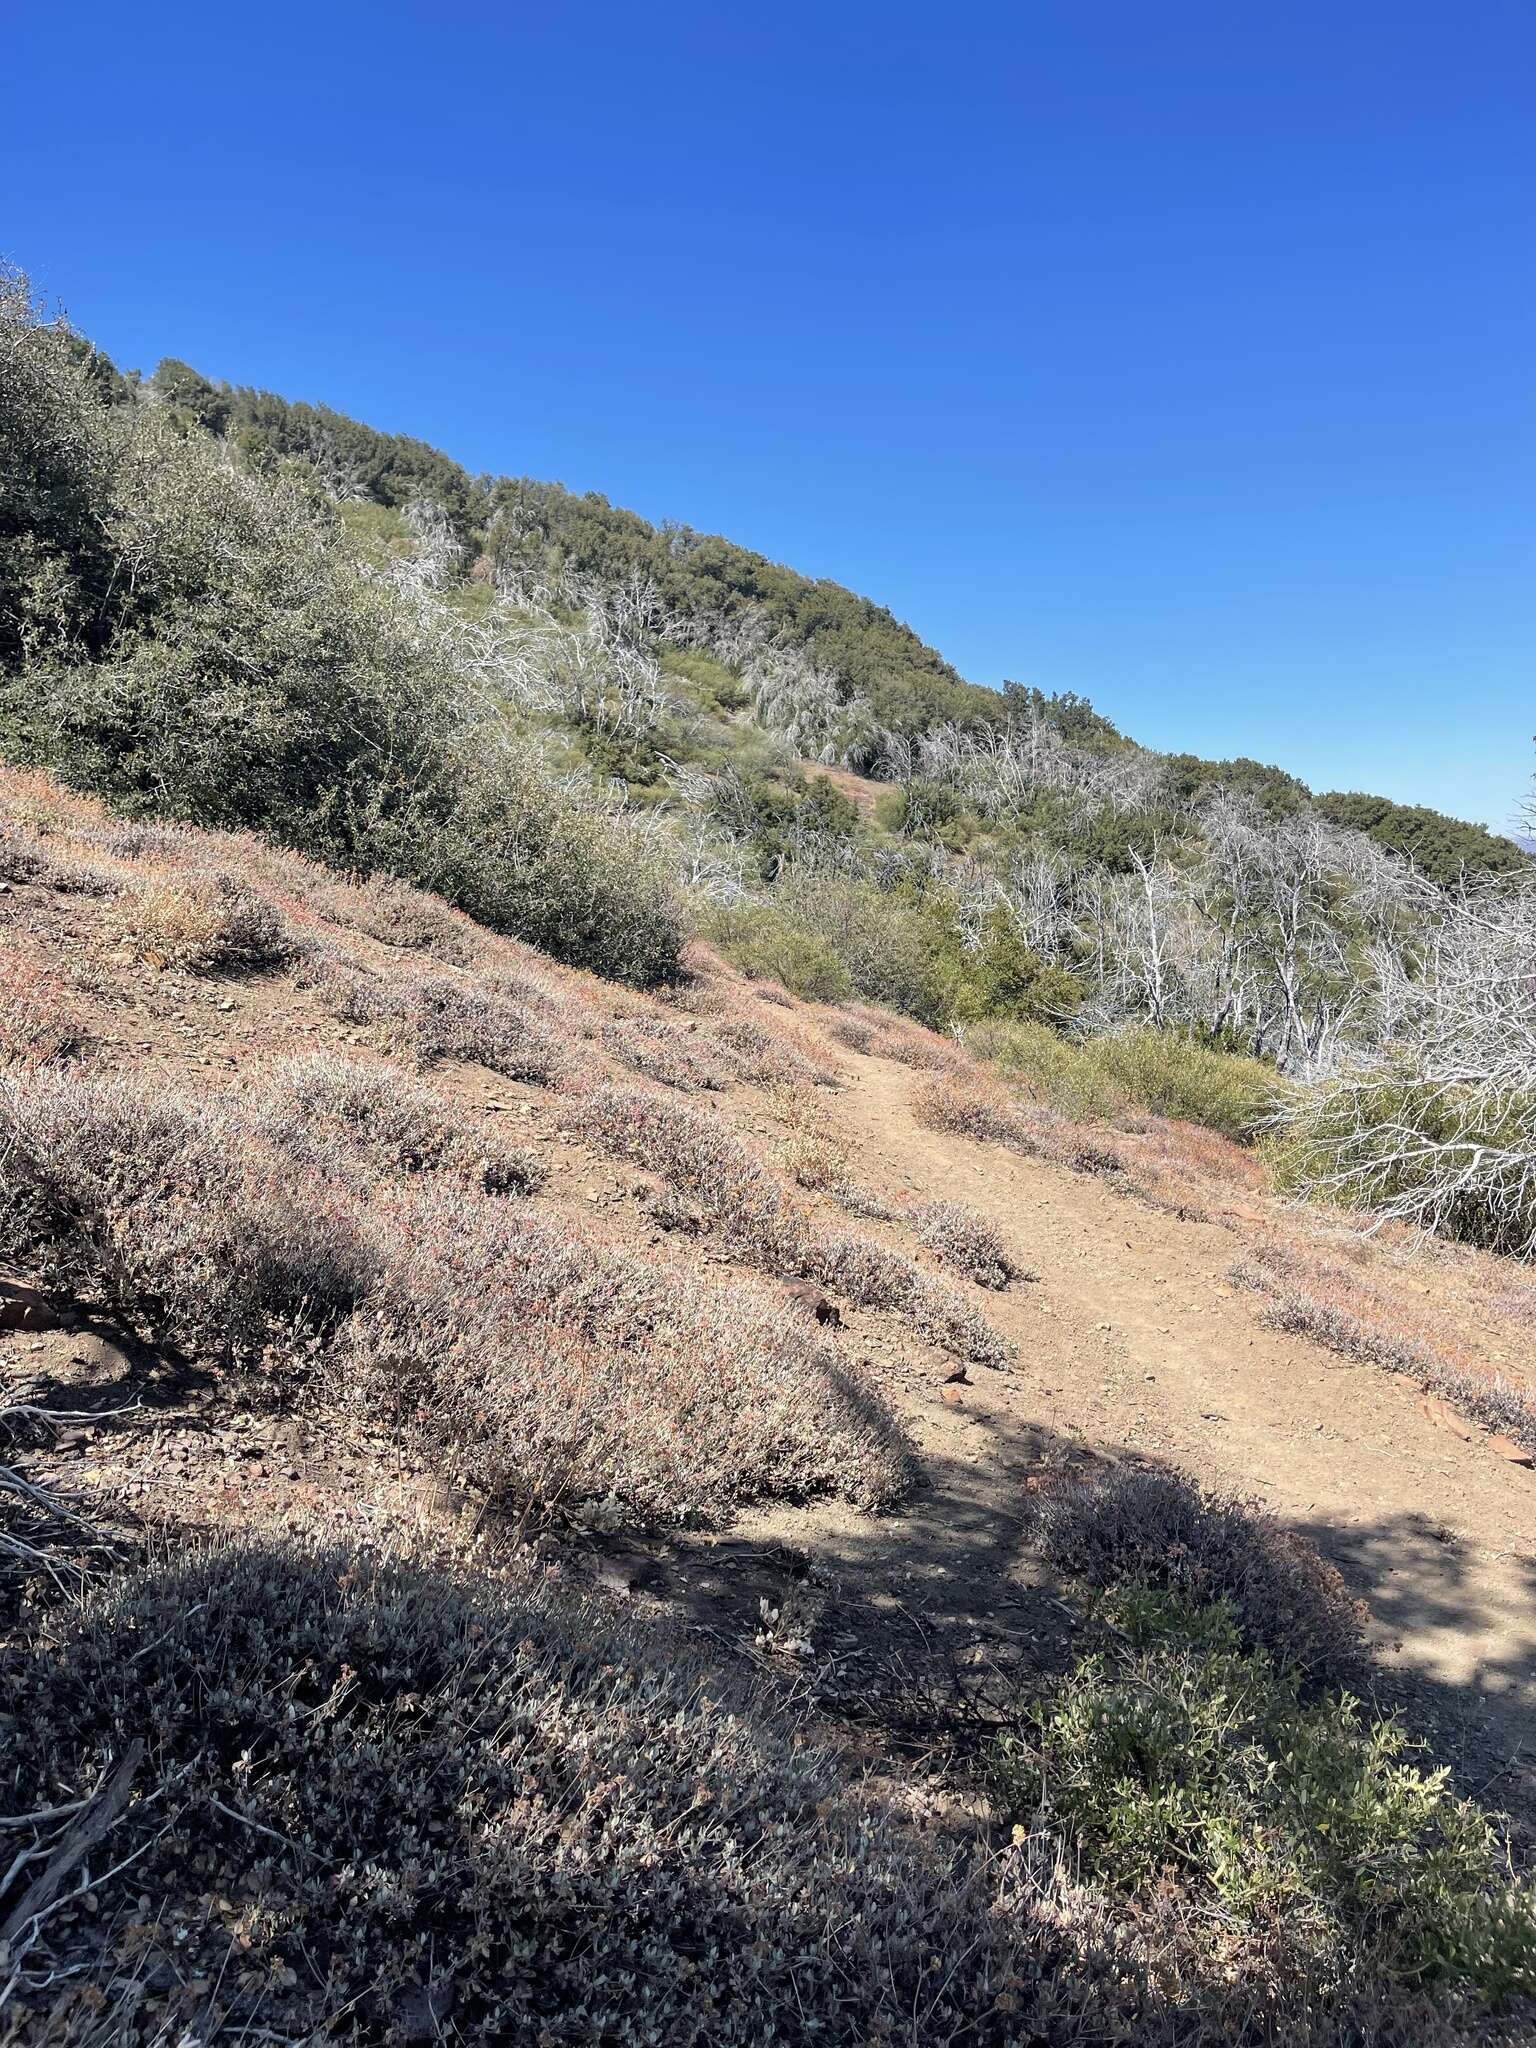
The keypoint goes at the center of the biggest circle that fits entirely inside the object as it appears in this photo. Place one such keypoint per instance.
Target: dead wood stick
(81, 1837)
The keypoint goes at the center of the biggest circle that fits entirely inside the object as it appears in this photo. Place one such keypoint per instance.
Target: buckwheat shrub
(323, 1104)
(961, 1239)
(551, 1364)
(1132, 1525)
(172, 1216)
(665, 1052)
(418, 1806)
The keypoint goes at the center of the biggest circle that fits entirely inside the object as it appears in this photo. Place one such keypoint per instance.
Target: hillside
(659, 1389)
(884, 678)
(417, 1131)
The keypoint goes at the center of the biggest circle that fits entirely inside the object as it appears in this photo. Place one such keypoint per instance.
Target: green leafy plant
(1309, 1829)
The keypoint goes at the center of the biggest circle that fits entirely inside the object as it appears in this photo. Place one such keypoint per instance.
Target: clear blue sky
(1177, 353)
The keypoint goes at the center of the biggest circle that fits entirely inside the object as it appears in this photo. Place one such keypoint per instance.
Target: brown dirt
(1132, 1344)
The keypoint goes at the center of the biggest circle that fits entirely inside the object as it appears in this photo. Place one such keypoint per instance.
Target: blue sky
(1180, 354)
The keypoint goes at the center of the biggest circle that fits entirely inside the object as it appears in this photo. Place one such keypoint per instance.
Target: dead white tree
(1442, 1131)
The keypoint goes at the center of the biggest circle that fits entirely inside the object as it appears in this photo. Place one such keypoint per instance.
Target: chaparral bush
(1301, 1840)
(384, 1805)
(173, 1216)
(1132, 1524)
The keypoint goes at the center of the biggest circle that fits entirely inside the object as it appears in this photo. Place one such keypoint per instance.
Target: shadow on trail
(929, 1624)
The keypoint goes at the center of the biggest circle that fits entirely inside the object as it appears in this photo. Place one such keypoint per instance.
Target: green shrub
(1184, 1761)
(59, 446)
(1173, 1076)
(883, 938)
(1053, 1070)
(999, 975)
(198, 642)
(1156, 1071)
(769, 945)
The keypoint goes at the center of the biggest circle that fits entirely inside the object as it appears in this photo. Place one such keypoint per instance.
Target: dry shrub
(173, 1217)
(206, 921)
(774, 1055)
(883, 1034)
(414, 1806)
(975, 1108)
(1133, 1526)
(702, 1159)
(1515, 1302)
(324, 1107)
(449, 1020)
(398, 915)
(865, 1202)
(868, 1274)
(968, 1243)
(912, 1045)
(979, 1109)
(40, 1020)
(854, 1032)
(1177, 1158)
(663, 1051)
(436, 1018)
(1306, 1297)
(549, 1364)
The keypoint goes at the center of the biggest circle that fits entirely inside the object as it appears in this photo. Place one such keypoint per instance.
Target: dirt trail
(1131, 1341)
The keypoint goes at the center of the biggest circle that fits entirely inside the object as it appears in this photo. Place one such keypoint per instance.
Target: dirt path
(1131, 1341)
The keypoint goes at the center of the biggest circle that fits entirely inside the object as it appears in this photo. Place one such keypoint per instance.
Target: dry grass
(40, 1018)
(1307, 1297)
(207, 922)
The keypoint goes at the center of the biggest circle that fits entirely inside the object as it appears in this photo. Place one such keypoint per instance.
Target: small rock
(1517, 1454)
(957, 1377)
(24, 1308)
(952, 1397)
(1444, 1416)
(808, 1297)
